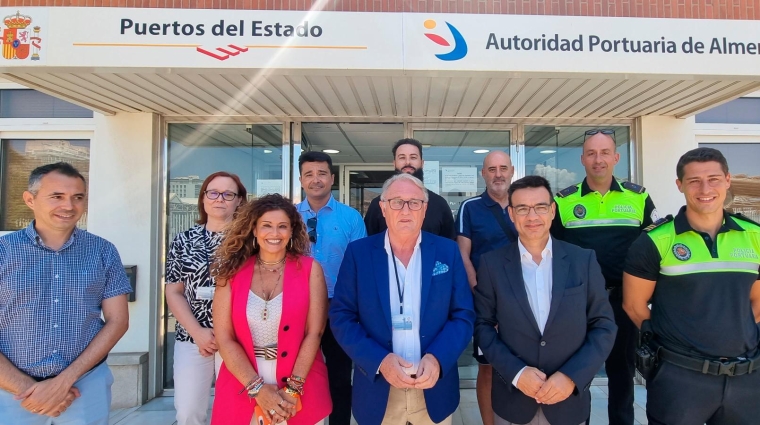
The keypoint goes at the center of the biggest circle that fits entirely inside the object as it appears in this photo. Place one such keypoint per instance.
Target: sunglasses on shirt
(311, 224)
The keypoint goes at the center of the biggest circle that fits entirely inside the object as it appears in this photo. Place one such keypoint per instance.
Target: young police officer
(606, 215)
(700, 272)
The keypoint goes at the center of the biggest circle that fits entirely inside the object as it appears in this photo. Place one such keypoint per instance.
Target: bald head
(497, 172)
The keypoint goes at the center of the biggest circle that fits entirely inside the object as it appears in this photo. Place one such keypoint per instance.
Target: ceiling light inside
(267, 151)
(548, 151)
(330, 151)
(482, 150)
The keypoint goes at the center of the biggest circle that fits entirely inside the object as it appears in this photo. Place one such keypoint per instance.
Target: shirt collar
(585, 189)
(524, 254)
(32, 234)
(681, 223)
(304, 206)
(388, 242)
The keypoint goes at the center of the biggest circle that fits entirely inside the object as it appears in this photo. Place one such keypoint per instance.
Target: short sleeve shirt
(51, 300)
(190, 255)
(701, 300)
(476, 221)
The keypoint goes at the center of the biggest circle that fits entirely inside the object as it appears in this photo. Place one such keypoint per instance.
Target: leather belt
(267, 353)
(734, 367)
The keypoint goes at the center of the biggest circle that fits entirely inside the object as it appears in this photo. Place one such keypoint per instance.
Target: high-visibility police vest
(607, 223)
(614, 208)
(701, 301)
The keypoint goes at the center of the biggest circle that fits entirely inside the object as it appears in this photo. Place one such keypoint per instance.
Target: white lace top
(264, 332)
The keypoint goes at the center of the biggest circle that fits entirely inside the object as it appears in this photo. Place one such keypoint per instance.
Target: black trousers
(620, 365)
(678, 396)
(339, 374)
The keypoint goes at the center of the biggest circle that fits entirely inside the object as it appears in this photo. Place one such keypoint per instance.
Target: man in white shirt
(402, 311)
(555, 323)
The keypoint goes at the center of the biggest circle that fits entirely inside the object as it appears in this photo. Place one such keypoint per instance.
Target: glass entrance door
(453, 157)
(362, 183)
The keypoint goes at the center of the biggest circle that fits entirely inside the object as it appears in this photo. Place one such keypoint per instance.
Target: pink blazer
(231, 408)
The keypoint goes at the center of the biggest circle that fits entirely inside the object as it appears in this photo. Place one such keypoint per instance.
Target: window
(555, 153)
(745, 110)
(744, 194)
(34, 104)
(19, 158)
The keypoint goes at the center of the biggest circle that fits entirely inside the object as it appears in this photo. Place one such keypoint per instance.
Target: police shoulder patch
(659, 223)
(743, 217)
(567, 191)
(633, 187)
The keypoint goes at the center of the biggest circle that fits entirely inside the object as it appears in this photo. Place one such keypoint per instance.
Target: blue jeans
(91, 408)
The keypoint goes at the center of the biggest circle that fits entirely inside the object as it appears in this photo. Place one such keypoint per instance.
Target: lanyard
(205, 252)
(398, 283)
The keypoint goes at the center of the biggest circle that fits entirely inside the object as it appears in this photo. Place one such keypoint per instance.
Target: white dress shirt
(538, 285)
(406, 343)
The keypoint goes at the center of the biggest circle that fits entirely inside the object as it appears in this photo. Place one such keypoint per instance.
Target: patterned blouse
(187, 262)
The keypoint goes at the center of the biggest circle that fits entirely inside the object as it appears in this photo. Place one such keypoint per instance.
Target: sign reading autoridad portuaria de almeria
(21, 37)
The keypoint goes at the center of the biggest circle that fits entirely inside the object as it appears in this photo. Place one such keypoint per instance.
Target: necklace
(267, 298)
(270, 263)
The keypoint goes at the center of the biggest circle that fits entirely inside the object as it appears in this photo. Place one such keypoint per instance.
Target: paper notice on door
(432, 176)
(459, 179)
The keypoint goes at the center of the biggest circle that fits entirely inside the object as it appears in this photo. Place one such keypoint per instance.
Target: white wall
(121, 209)
(664, 140)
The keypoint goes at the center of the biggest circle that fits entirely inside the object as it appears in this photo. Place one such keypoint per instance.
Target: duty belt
(267, 353)
(724, 366)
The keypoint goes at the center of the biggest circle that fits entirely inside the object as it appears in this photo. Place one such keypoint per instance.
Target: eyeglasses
(605, 131)
(227, 196)
(311, 224)
(398, 204)
(540, 209)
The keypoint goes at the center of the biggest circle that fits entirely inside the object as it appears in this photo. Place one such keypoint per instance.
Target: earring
(290, 244)
(255, 244)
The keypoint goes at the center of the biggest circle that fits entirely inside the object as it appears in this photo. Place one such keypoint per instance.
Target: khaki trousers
(538, 419)
(408, 407)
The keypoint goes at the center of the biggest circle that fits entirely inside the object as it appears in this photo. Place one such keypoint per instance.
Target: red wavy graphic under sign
(437, 39)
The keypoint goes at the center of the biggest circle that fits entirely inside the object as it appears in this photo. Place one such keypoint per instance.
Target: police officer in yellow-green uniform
(701, 271)
(606, 215)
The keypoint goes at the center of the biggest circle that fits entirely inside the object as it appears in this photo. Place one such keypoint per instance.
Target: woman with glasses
(270, 311)
(190, 291)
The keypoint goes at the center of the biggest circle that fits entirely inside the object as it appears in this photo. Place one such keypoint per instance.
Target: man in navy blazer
(403, 312)
(555, 322)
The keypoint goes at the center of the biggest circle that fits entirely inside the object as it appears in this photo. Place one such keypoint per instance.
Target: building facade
(150, 97)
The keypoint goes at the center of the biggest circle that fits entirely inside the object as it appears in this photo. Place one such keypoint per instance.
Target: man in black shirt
(407, 158)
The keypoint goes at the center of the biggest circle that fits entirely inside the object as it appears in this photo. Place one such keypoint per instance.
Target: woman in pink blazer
(270, 309)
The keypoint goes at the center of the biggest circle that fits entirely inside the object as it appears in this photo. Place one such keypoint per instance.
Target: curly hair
(237, 246)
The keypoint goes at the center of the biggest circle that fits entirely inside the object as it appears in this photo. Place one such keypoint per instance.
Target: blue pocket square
(440, 268)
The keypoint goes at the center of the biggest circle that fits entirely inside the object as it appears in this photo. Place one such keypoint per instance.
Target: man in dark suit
(555, 323)
(402, 311)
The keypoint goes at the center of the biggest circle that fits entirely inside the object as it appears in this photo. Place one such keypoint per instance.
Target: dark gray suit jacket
(578, 336)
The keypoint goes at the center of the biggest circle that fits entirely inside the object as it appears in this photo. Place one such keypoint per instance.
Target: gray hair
(68, 170)
(404, 176)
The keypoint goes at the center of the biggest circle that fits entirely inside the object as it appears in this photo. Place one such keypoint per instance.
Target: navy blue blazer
(360, 319)
(578, 336)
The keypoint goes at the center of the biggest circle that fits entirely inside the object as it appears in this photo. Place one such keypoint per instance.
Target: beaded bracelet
(295, 386)
(253, 392)
(255, 383)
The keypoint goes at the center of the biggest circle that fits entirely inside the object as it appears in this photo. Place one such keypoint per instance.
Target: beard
(417, 173)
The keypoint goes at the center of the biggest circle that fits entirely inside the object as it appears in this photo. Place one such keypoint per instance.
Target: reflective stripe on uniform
(713, 266)
(603, 222)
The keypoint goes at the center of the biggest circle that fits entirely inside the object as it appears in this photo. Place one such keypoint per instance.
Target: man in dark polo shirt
(483, 225)
(700, 272)
(407, 158)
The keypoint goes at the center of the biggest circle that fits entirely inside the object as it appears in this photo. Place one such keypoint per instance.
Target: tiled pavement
(160, 411)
